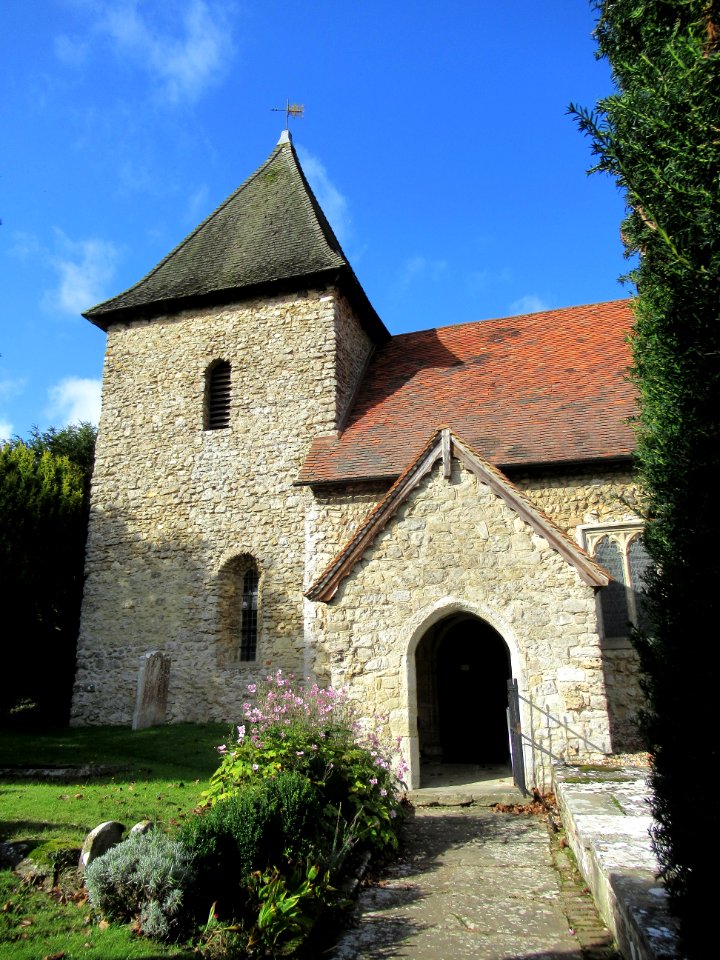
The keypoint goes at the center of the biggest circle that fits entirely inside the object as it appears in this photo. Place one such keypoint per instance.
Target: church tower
(240, 347)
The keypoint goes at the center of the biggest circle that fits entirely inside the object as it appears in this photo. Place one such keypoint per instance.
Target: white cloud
(184, 46)
(71, 51)
(197, 204)
(74, 400)
(24, 245)
(84, 268)
(9, 388)
(420, 268)
(134, 177)
(334, 205)
(482, 279)
(530, 303)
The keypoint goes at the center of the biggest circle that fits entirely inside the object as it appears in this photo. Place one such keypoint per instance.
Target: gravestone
(143, 826)
(152, 690)
(100, 840)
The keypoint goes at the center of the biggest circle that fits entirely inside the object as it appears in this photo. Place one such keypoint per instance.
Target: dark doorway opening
(462, 668)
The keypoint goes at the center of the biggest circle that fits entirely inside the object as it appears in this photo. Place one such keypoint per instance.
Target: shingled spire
(269, 235)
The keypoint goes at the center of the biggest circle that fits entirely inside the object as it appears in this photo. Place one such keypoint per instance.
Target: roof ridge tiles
(619, 302)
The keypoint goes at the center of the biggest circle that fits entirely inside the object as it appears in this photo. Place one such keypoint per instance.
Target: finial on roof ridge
(285, 137)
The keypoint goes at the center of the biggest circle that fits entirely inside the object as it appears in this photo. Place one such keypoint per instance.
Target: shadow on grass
(36, 833)
(175, 751)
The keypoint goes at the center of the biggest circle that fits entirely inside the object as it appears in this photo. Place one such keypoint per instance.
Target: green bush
(270, 823)
(315, 733)
(144, 878)
(657, 134)
(289, 801)
(289, 907)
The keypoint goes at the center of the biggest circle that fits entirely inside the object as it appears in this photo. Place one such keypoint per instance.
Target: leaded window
(619, 548)
(239, 610)
(217, 395)
(249, 621)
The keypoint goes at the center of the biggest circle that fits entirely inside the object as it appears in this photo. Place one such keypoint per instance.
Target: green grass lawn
(158, 775)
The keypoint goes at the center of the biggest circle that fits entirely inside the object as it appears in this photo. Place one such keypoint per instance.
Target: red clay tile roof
(542, 388)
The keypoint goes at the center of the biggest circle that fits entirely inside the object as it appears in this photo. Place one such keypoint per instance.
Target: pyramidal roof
(270, 233)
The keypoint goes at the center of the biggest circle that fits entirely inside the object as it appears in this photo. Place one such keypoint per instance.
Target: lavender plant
(147, 876)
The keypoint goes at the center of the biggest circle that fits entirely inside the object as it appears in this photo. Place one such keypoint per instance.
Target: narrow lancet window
(249, 624)
(217, 396)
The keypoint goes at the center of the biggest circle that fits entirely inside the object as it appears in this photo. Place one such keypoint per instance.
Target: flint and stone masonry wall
(591, 496)
(176, 509)
(454, 546)
(172, 503)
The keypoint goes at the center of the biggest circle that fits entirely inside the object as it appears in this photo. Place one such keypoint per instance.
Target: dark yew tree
(44, 495)
(659, 136)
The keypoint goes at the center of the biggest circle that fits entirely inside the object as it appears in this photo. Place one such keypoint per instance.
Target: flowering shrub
(301, 782)
(315, 732)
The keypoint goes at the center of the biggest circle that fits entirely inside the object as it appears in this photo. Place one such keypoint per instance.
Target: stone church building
(282, 484)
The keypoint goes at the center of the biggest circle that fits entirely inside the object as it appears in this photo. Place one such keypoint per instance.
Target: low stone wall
(607, 820)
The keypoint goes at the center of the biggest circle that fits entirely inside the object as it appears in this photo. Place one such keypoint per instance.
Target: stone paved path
(476, 884)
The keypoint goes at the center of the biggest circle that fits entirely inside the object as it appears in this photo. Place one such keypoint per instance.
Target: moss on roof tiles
(270, 231)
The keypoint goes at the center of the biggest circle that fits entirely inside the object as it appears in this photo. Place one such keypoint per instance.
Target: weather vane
(290, 110)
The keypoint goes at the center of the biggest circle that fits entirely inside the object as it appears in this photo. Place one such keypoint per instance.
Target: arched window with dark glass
(620, 549)
(239, 610)
(249, 617)
(638, 564)
(217, 395)
(613, 597)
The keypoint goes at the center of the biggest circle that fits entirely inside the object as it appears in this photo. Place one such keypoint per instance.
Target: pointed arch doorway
(462, 667)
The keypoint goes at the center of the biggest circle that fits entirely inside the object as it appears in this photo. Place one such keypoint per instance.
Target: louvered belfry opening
(217, 396)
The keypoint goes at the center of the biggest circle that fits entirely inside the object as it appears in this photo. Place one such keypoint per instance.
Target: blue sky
(435, 137)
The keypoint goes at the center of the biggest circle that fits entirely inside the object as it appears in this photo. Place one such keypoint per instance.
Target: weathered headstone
(144, 826)
(100, 840)
(152, 690)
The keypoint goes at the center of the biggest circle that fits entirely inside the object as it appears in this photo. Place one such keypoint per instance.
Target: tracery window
(620, 549)
(216, 414)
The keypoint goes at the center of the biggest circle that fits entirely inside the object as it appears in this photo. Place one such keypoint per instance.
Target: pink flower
(393, 814)
(383, 792)
(222, 749)
(299, 753)
(252, 687)
(241, 733)
(373, 781)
